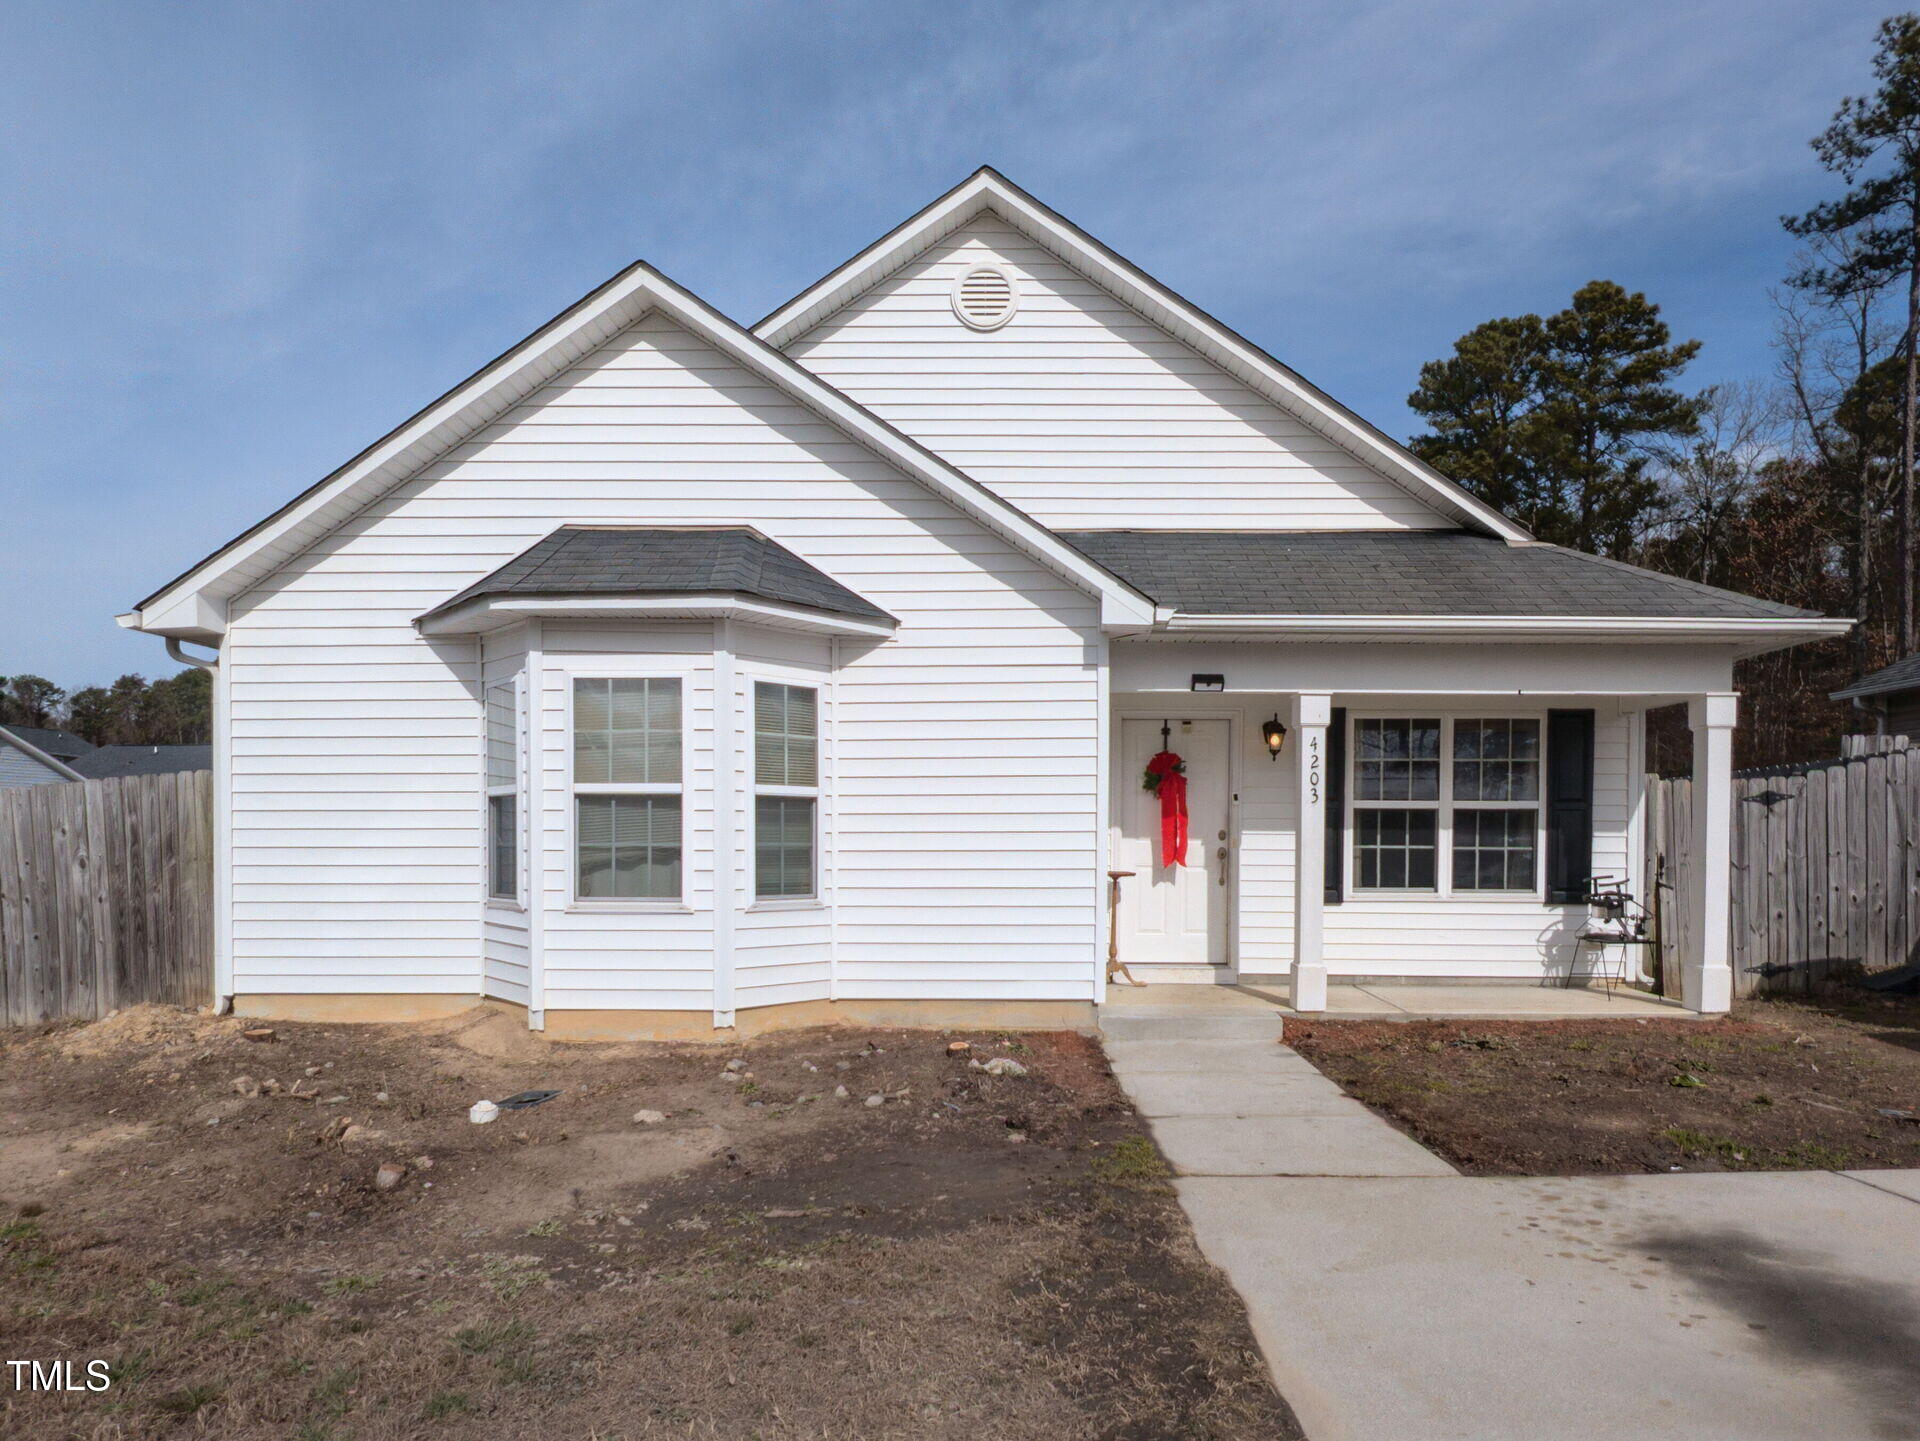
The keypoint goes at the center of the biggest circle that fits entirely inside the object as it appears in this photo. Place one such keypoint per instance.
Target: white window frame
(583, 668)
(516, 686)
(1444, 807)
(754, 677)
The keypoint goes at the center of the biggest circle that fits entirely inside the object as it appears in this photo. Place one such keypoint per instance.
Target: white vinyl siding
(965, 794)
(1082, 412)
(17, 768)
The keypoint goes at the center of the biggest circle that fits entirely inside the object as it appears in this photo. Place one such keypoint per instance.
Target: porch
(1393, 831)
(1147, 1012)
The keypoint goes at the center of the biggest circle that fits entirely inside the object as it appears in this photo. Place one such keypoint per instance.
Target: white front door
(1174, 915)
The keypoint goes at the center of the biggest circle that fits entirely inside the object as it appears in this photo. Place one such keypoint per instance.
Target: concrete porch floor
(1399, 1001)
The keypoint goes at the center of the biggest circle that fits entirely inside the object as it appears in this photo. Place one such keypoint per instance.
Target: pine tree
(1555, 421)
(1881, 213)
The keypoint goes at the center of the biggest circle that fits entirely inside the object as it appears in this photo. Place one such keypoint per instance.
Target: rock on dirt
(876, 1100)
(390, 1174)
(1002, 1066)
(649, 1118)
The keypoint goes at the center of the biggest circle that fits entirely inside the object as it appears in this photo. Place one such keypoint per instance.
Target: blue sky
(239, 242)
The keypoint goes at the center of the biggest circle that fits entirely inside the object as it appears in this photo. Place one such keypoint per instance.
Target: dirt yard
(1832, 1084)
(940, 1252)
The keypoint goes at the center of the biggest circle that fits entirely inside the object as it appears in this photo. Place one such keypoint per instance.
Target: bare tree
(1829, 344)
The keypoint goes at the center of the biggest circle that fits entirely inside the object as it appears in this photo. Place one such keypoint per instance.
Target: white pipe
(173, 650)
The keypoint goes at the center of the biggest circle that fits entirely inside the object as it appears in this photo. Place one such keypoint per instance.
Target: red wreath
(1167, 778)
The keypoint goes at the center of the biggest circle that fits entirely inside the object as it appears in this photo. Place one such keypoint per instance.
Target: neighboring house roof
(988, 190)
(1903, 674)
(61, 745)
(695, 560)
(110, 762)
(1406, 577)
(16, 738)
(193, 606)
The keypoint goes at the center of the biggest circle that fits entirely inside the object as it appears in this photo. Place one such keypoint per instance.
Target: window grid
(628, 809)
(1494, 850)
(502, 719)
(786, 778)
(1411, 809)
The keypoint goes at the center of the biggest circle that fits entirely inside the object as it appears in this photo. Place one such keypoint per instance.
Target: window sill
(1525, 898)
(628, 908)
(789, 903)
(501, 903)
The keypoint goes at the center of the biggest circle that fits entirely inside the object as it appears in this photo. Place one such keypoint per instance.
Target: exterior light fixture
(1275, 736)
(1208, 683)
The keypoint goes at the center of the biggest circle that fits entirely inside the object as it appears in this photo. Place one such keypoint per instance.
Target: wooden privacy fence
(106, 895)
(1823, 882)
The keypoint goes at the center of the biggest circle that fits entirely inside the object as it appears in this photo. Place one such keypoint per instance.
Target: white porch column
(1706, 979)
(1311, 714)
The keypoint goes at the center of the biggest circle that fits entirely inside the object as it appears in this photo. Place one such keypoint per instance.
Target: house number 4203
(1313, 768)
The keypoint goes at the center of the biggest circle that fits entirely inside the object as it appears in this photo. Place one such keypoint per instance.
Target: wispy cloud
(242, 240)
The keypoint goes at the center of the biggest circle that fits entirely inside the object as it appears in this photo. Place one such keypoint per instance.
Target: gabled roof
(193, 606)
(10, 736)
(109, 762)
(1903, 674)
(582, 561)
(987, 190)
(61, 745)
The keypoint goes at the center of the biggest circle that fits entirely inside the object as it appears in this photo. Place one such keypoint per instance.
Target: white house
(668, 676)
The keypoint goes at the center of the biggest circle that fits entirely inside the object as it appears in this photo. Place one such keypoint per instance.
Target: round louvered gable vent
(985, 297)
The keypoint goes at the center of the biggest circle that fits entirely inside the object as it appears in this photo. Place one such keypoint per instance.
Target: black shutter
(1336, 804)
(1569, 806)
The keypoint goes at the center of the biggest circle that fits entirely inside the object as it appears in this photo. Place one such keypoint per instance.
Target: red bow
(1166, 777)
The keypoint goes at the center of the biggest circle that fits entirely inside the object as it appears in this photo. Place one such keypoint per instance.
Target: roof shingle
(108, 762)
(1399, 573)
(633, 560)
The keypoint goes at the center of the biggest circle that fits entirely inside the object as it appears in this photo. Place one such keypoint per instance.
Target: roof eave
(479, 615)
(1749, 635)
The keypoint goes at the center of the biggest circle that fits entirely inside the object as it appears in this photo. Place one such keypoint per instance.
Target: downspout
(222, 825)
(1878, 712)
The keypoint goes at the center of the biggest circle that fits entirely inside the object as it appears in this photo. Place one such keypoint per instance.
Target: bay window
(786, 791)
(1466, 787)
(627, 796)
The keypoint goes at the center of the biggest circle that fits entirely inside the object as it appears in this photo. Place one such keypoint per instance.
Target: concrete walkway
(1395, 1298)
(1225, 1098)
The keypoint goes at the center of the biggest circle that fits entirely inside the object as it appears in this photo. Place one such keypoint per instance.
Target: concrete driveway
(1710, 1307)
(1397, 1300)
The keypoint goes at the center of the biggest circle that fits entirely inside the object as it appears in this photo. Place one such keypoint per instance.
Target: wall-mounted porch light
(1208, 683)
(1275, 736)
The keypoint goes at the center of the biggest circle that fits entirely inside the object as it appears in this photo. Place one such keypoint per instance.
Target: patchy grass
(1832, 1084)
(976, 1256)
